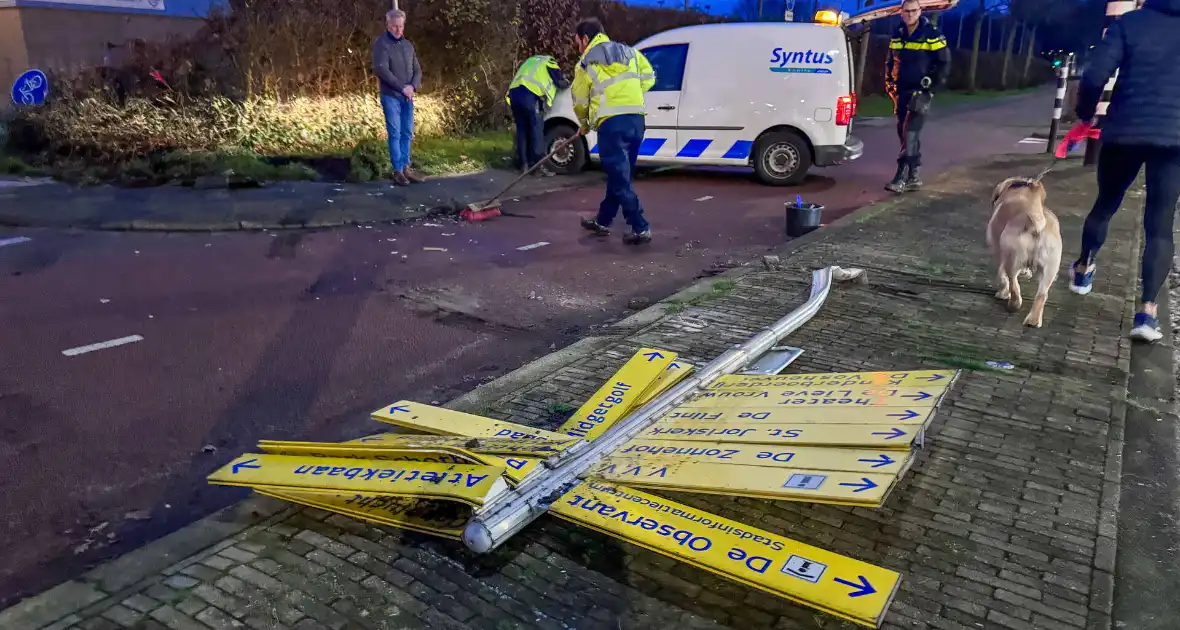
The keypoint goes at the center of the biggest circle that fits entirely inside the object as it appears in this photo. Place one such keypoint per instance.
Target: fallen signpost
(657, 423)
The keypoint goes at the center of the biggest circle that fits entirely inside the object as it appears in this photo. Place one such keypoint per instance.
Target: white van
(774, 96)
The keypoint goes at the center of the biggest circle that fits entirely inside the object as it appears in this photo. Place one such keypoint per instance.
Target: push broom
(490, 209)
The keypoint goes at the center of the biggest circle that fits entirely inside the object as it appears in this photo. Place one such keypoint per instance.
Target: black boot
(914, 181)
(897, 184)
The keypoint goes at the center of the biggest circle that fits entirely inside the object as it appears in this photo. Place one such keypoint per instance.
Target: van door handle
(666, 108)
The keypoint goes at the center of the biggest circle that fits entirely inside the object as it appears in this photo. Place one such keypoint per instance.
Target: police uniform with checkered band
(917, 66)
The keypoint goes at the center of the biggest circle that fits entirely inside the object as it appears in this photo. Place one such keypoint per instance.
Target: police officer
(530, 93)
(918, 64)
(608, 90)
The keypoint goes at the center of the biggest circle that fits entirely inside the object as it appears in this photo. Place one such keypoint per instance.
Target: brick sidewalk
(1008, 520)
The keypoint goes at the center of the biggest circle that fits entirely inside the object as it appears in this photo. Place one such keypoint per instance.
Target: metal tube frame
(499, 521)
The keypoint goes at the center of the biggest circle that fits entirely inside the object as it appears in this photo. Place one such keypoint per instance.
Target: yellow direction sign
(797, 484)
(863, 435)
(655, 452)
(835, 584)
(492, 446)
(912, 378)
(820, 397)
(676, 372)
(517, 469)
(919, 416)
(429, 419)
(441, 518)
(469, 484)
(618, 396)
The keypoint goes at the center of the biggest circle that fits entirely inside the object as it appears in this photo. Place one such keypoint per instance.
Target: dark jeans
(909, 131)
(530, 137)
(619, 138)
(1118, 166)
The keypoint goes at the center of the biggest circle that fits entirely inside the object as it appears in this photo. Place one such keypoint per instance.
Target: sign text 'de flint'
(800, 415)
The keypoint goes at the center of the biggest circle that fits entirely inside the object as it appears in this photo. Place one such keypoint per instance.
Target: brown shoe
(413, 177)
(400, 179)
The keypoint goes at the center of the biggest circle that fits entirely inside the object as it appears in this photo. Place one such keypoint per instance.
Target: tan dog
(1025, 237)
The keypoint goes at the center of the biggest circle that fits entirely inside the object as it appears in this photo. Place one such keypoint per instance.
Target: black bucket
(803, 218)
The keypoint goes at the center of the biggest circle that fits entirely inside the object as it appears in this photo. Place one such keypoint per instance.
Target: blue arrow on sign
(673, 365)
(652, 356)
(879, 461)
(908, 415)
(249, 463)
(935, 377)
(371, 438)
(397, 409)
(918, 396)
(892, 433)
(864, 484)
(862, 589)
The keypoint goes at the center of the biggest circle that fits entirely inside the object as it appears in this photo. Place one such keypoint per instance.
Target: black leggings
(1118, 166)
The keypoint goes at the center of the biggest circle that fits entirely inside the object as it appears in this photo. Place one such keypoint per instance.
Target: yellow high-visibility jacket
(609, 80)
(534, 75)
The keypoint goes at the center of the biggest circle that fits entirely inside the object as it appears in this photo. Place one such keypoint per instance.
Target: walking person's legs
(521, 120)
(628, 199)
(1163, 192)
(612, 152)
(1118, 165)
(391, 107)
(913, 149)
(407, 141)
(901, 104)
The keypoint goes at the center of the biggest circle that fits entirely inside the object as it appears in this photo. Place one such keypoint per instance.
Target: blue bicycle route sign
(30, 88)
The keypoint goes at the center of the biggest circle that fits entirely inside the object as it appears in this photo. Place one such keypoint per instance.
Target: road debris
(434, 249)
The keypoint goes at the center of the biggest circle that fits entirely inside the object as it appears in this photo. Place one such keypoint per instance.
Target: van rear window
(668, 63)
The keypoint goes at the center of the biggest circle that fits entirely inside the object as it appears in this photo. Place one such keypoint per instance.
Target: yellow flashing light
(827, 16)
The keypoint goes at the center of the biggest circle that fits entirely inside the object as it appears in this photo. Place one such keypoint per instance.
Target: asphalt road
(243, 336)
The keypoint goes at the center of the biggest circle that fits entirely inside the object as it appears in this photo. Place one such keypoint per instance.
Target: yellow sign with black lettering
(441, 518)
(515, 468)
(465, 483)
(675, 373)
(919, 416)
(614, 400)
(835, 584)
(429, 419)
(937, 379)
(880, 461)
(819, 397)
(795, 484)
(855, 435)
(492, 446)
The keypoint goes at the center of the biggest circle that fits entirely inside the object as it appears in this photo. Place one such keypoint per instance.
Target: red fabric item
(1080, 132)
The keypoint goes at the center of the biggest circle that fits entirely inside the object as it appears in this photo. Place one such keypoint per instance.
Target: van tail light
(845, 109)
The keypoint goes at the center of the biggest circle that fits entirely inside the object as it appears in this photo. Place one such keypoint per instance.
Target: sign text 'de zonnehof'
(809, 457)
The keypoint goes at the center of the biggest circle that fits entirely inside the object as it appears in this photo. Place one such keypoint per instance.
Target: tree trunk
(1007, 57)
(959, 37)
(865, 43)
(972, 73)
(1028, 56)
(988, 47)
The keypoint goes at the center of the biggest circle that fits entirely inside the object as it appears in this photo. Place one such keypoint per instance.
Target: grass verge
(12, 165)
(718, 289)
(435, 155)
(880, 105)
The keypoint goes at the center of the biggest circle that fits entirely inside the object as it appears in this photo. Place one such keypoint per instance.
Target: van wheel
(781, 158)
(572, 159)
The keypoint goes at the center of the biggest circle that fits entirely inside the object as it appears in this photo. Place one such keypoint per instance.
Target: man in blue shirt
(918, 64)
(396, 65)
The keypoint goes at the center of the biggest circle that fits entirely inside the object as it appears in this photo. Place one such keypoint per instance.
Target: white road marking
(16, 240)
(525, 248)
(1033, 141)
(102, 345)
(705, 198)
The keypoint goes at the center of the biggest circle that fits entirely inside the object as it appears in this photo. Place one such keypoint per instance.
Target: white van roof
(730, 29)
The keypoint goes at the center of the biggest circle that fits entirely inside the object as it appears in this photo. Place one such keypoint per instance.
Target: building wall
(13, 56)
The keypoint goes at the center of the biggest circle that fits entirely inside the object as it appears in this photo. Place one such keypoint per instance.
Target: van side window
(668, 63)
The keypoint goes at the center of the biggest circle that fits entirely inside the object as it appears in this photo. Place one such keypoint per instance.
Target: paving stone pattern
(1008, 521)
